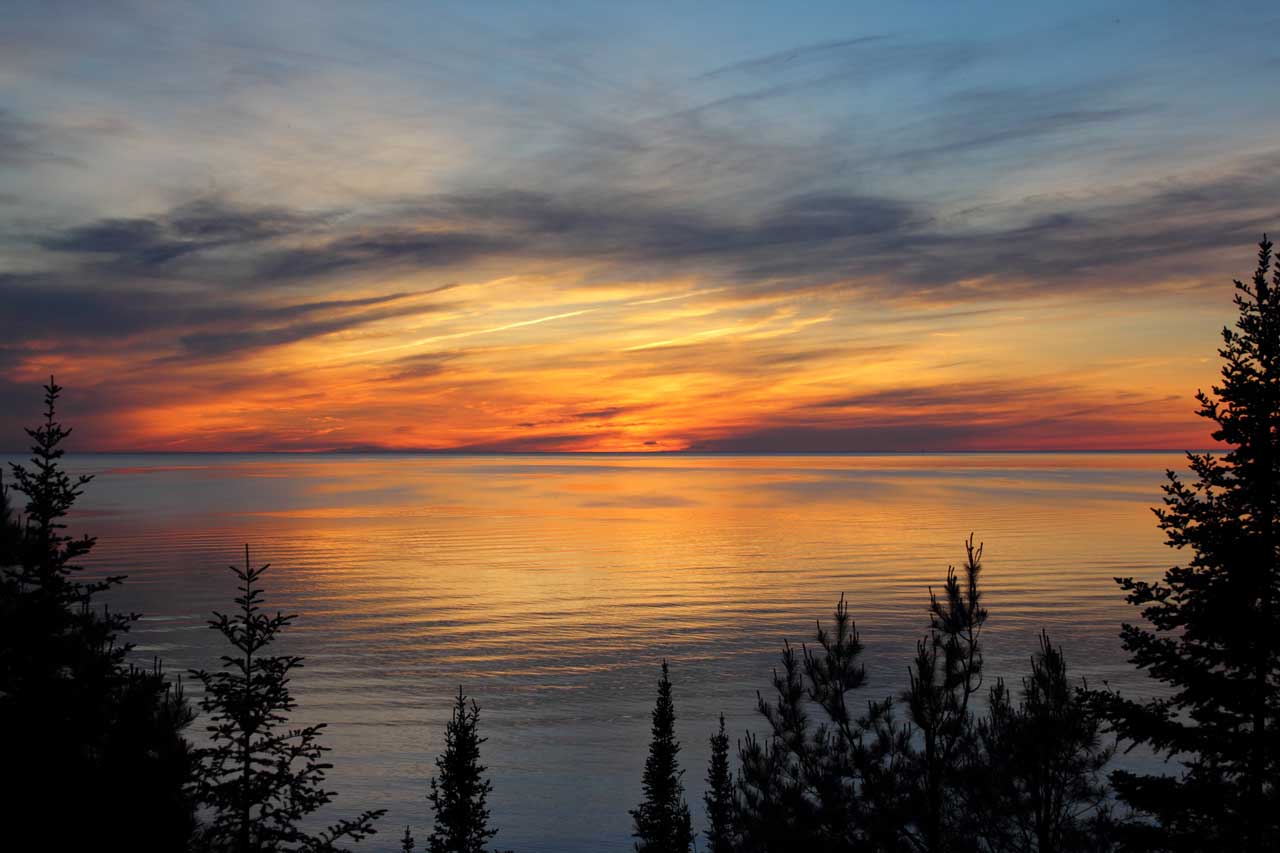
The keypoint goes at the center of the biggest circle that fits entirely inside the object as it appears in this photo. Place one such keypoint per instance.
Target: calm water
(551, 587)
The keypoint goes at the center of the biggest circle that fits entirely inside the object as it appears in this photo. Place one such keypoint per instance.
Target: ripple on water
(550, 587)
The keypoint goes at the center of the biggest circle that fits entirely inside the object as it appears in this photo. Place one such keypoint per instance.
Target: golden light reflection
(594, 552)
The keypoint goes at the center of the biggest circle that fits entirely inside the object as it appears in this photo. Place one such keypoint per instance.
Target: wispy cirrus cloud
(1055, 243)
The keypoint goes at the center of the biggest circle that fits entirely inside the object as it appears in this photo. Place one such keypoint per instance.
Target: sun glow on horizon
(612, 231)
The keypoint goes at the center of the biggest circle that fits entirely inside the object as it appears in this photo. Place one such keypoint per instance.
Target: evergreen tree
(773, 812)
(870, 782)
(1214, 635)
(946, 673)
(82, 721)
(1036, 785)
(458, 797)
(719, 799)
(258, 778)
(406, 841)
(10, 530)
(799, 787)
(662, 821)
(787, 799)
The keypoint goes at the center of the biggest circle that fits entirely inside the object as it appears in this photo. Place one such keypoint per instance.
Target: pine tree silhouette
(1214, 633)
(868, 782)
(946, 673)
(719, 797)
(88, 733)
(459, 795)
(260, 779)
(10, 530)
(406, 841)
(1036, 783)
(834, 785)
(662, 821)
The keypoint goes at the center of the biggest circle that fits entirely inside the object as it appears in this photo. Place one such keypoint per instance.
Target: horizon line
(689, 452)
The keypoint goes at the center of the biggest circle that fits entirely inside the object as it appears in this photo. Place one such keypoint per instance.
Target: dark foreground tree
(10, 530)
(719, 798)
(260, 779)
(87, 735)
(800, 786)
(946, 673)
(847, 782)
(459, 795)
(662, 821)
(1036, 783)
(1214, 635)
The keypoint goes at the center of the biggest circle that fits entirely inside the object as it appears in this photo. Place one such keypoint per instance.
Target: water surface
(550, 588)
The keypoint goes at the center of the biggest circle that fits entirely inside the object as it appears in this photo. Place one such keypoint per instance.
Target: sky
(628, 227)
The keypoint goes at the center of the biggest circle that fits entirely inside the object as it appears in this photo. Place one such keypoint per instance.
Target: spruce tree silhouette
(406, 841)
(259, 779)
(662, 821)
(459, 796)
(1214, 633)
(88, 733)
(719, 797)
(1036, 784)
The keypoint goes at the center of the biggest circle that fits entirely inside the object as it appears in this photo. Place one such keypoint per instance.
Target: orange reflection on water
(551, 585)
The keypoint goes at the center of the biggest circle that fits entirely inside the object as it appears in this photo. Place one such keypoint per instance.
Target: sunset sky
(802, 227)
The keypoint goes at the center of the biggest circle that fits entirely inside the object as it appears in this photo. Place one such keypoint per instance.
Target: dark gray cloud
(198, 226)
(222, 343)
(893, 437)
(944, 417)
(599, 414)
(216, 221)
(979, 395)
(534, 443)
(260, 246)
(374, 250)
(457, 229)
(641, 229)
(818, 218)
(44, 305)
(82, 318)
(1140, 235)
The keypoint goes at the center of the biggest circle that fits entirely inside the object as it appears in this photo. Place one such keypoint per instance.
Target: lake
(550, 587)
